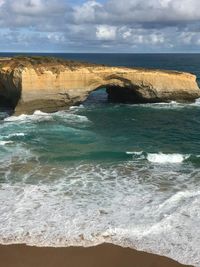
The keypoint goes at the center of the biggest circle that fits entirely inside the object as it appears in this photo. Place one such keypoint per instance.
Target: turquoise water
(102, 172)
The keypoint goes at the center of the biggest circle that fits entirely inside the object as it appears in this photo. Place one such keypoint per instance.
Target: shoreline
(104, 255)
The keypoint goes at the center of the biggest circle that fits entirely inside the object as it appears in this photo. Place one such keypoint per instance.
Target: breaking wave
(81, 207)
(3, 143)
(15, 135)
(160, 157)
(39, 116)
(171, 105)
(66, 179)
(166, 158)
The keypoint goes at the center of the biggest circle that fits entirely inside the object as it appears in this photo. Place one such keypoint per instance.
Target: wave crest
(160, 157)
(166, 158)
(3, 143)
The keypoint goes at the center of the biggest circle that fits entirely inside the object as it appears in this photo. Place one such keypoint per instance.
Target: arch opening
(117, 94)
(97, 96)
(8, 101)
(114, 94)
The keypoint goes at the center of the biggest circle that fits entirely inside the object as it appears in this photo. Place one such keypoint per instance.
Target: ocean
(102, 172)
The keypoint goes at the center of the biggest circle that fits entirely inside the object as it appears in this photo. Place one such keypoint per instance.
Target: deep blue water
(127, 174)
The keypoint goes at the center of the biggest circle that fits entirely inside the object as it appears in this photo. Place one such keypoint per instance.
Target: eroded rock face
(29, 84)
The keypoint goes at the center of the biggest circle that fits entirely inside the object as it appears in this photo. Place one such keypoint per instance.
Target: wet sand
(105, 255)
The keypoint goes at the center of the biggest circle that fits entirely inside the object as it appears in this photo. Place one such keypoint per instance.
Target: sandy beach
(105, 255)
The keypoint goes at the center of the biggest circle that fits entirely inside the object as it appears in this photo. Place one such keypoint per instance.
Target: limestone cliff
(49, 84)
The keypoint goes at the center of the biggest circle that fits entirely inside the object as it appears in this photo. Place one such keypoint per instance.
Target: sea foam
(166, 158)
(160, 158)
(39, 116)
(137, 153)
(82, 208)
(3, 143)
(16, 135)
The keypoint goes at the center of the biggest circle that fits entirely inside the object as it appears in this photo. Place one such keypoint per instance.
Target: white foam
(137, 153)
(160, 158)
(16, 118)
(37, 116)
(76, 108)
(79, 205)
(166, 158)
(70, 117)
(171, 105)
(164, 105)
(40, 116)
(3, 143)
(38, 112)
(16, 135)
(196, 103)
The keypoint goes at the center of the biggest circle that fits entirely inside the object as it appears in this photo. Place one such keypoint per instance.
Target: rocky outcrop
(48, 84)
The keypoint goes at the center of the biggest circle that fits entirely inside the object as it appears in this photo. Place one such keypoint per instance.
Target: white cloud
(86, 12)
(157, 38)
(127, 34)
(141, 36)
(1, 2)
(106, 32)
(55, 37)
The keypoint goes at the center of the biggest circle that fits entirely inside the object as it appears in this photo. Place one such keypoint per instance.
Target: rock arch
(52, 84)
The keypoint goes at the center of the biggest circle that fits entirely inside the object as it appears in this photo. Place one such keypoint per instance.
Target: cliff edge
(50, 84)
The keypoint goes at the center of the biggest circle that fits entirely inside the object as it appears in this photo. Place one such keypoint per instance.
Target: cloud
(35, 7)
(109, 25)
(137, 11)
(29, 7)
(130, 11)
(32, 13)
(106, 33)
(86, 12)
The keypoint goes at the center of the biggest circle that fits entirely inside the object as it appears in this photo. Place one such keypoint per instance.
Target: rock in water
(49, 84)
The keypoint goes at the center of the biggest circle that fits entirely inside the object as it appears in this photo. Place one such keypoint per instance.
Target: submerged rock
(49, 84)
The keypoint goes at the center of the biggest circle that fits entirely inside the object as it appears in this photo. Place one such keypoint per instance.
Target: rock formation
(48, 84)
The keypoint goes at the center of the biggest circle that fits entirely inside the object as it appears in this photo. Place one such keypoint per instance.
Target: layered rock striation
(49, 84)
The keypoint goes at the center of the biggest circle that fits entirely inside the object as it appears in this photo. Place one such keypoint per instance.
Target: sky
(100, 26)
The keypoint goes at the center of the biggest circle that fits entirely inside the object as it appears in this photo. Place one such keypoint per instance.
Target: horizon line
(52, 52)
